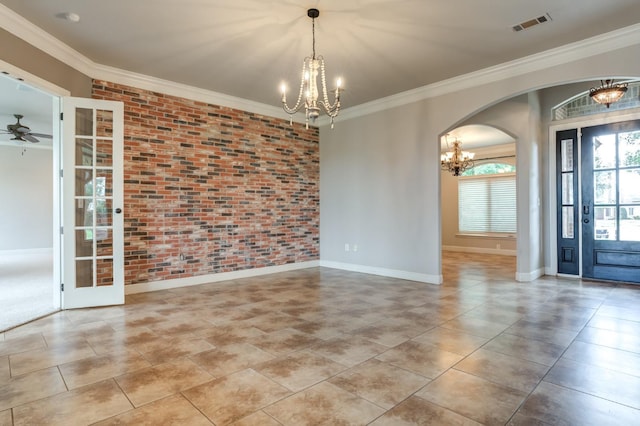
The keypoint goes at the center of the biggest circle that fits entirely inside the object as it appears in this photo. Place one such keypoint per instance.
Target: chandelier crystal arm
(298, 104)
(331, 109)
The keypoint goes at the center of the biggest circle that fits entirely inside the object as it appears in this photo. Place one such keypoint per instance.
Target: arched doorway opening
(478, 205)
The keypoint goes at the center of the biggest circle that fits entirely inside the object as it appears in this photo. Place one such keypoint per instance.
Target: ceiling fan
(21, 132)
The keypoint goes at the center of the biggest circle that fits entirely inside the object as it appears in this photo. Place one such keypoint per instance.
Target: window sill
(494, 236)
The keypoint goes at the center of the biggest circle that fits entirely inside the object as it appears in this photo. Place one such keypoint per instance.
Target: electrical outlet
(355, 247)
(346, 246)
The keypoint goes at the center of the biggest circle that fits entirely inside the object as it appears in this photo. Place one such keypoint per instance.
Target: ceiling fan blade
(41, 135)
(30, 138)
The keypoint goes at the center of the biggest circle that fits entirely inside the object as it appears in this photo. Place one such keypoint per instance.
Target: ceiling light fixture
(456, 161)
(608, 92)
(311, 67)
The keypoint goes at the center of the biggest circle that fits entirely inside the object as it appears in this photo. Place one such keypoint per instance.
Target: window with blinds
(487, 203)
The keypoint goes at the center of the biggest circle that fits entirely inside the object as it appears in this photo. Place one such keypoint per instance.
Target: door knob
(586, 220)
(118, 210)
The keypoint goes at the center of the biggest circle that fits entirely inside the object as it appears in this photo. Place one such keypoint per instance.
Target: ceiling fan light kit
(23, 133)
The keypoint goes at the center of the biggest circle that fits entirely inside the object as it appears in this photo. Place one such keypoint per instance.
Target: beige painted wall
(26, 207)
(380, 174)
(28, 58)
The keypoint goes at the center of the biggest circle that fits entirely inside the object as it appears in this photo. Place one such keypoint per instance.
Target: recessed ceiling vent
(532, 22)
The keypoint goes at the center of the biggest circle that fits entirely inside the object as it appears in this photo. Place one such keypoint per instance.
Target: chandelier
(457, 160)
(608, 92)
(309, 96)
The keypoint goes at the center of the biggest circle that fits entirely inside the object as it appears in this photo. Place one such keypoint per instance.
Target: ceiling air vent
(532, 22)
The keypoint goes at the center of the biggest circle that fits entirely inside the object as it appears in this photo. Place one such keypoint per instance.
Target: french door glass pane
(568, 227)
(84, 152)
(629, 149)
(104, 153)
(104, 183)
(84, 212)
(104, 242)
(605, 224)
(604, 152)
(84, 122)
(104, 123)
(103, 212)
(84, 182)
(604, 187)
(84, 273)
(84, 242)
(104, 272)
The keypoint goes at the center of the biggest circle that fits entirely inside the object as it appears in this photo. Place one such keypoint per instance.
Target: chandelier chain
(313, 35)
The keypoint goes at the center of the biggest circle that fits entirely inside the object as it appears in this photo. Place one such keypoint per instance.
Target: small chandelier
(457, 160)
(608, 92)
(311, 67)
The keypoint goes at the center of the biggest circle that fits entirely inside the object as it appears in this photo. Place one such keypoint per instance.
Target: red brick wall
(212, 189)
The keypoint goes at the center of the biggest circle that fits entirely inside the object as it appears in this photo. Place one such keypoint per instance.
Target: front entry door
(610, 208)
(92, 182)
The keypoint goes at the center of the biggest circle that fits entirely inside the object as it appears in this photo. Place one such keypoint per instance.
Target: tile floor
(328, 347)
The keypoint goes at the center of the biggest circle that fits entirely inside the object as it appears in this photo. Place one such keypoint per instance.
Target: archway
(478, 207)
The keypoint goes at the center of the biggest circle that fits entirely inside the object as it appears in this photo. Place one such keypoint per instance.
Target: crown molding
(37, 37)
(141, 81)
(27, 31)
(597, 45)
(32, 34)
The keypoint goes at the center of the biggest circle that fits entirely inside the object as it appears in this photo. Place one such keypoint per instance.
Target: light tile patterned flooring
(328, 347)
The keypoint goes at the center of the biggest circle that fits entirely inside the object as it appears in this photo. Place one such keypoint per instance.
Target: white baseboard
(391, 273)
(212, 278)
(480, 250)
(23, 252)
(529, 276)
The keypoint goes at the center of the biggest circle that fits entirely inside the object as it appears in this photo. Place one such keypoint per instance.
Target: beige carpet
(26, 287)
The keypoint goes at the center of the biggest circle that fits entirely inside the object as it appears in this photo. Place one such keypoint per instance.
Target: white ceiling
(247, 48)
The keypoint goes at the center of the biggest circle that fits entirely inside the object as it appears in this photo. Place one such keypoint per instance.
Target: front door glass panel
(611, 201)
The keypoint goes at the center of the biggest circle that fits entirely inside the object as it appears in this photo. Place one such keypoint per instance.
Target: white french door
(92, 186)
